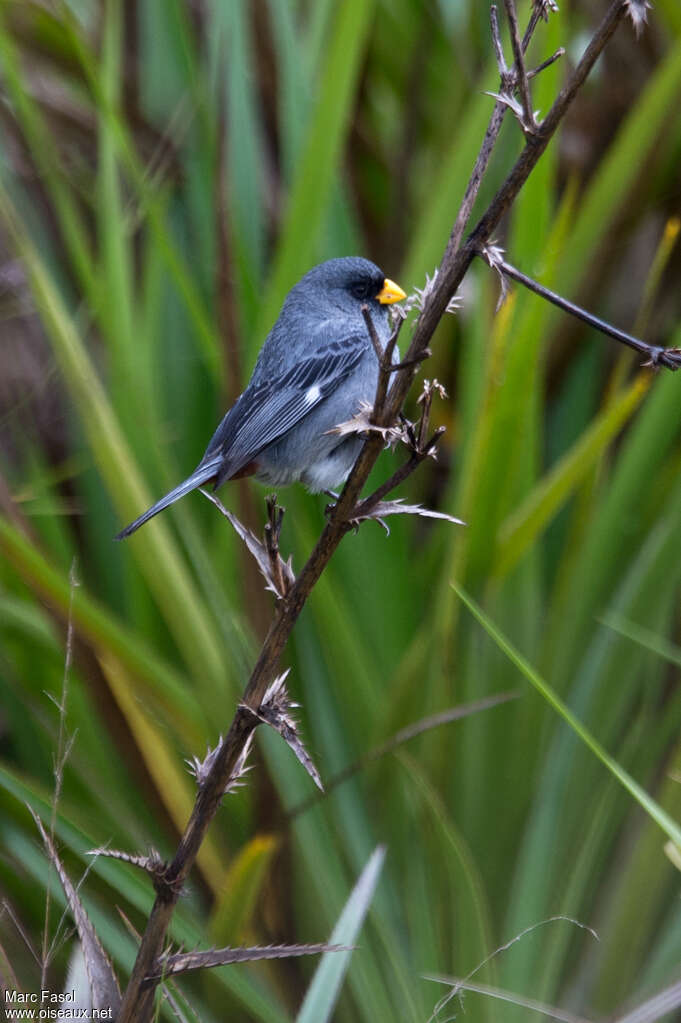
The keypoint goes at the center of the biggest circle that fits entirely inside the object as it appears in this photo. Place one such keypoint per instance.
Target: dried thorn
(418, 298)
(394, 337)
(493, 255)
(638, 13)
(201, 769)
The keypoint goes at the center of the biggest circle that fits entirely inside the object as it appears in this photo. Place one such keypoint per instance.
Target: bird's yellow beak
(390, 292)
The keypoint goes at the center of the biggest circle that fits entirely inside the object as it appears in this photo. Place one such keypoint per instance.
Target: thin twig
(657, 356)
(533, 72)
(421, 448)
(421, 357)
(275, 516)
(372, 334)
(483, 157)
(540, 11)
(521, 75)
(496, 42)
(385, 360)
(458, 258)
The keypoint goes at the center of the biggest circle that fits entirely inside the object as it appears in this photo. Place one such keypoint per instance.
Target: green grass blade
(532, 516)
(45, 153)
(176, 594)
(166, 687)
(654, 811)
(322, 994)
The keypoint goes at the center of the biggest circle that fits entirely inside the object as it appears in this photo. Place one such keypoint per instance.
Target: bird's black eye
(363, 290)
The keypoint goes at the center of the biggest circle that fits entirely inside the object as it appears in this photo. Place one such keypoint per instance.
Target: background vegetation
(167, 171)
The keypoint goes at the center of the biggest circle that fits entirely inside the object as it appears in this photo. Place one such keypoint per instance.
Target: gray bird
(315, 368)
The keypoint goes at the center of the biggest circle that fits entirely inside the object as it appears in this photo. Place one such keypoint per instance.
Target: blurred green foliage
(167, 171)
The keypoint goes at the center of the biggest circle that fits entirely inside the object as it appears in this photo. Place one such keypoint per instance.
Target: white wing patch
(312, 395)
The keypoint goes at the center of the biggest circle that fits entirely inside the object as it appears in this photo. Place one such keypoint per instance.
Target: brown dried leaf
(181, 962)
(256, 548)
(398, 507)
(275, 710)
(361, 423)
(151, 863)
(102, 979)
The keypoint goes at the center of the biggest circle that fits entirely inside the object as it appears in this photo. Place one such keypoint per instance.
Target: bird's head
(344, 285)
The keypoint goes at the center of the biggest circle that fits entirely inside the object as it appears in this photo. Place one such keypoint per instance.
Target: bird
(315, 369)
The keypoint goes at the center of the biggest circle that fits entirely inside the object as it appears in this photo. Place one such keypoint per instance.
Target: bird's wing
(268, 410)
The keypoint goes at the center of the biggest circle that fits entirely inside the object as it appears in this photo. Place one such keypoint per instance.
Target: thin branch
(372, 334)
(496, 42)
(385, 359)
(365, 507)
(533, 72)
(522, 84)
(483, 158)
(421, 357)
(657, 356)
(275, 517)
(421, 448)
(458, 258)
(540, 10)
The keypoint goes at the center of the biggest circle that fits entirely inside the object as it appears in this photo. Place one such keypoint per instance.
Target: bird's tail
(199, 476)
